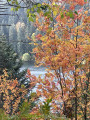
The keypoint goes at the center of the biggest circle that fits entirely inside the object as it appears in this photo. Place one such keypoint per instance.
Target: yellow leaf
(86, 12)
(55, 13)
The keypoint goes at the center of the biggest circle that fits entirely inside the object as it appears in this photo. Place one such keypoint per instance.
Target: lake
(33, 69)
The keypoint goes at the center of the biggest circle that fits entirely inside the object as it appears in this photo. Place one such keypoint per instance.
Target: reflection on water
(34, 70)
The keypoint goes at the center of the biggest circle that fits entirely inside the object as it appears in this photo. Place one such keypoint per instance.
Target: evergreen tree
(30, 29)
(28, 35)
(10, 60)
(13, 37)
(1, 30)
(21, 41)
(11, 20)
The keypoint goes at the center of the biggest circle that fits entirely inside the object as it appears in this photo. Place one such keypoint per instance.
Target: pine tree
(28, 33)
(13, 37)
(1, 30)
(21, 39)
(10, 60)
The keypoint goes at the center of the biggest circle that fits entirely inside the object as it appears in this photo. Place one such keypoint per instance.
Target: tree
(10, 60)
(20, 39)
(29, 30)
(12, 94)
(13, 37)
(1, 30)
(11, 20)
(20, 3)
(62, 48)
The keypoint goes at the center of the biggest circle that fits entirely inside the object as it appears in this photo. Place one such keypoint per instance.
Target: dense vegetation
(20, 28)
(62, 45)
(10, 60)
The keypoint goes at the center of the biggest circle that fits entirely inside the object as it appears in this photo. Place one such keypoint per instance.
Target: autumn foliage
(64, 47)
(13, 94)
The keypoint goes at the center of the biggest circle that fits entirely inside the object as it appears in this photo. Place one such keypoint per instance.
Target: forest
(45, 60)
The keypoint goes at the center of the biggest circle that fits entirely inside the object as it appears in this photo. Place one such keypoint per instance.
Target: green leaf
(29, 14)
(67, 14)
(76, 12)
(33, 15)
(71, 14)
(62, 16)
(28, 10)
(16, 2)
(51, 18)
(32, 9)
(16, 9)
(38, 10)
(31, 19)
(47, 13)
(44, 7)
(12, 9)
(19, 6)
(49, 30)
(49, 100)
(55, 13)
(38, 5)
(35, 6)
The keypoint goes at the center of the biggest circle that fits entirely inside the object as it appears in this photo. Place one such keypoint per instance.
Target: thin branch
(14, 5)
(4, 25)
